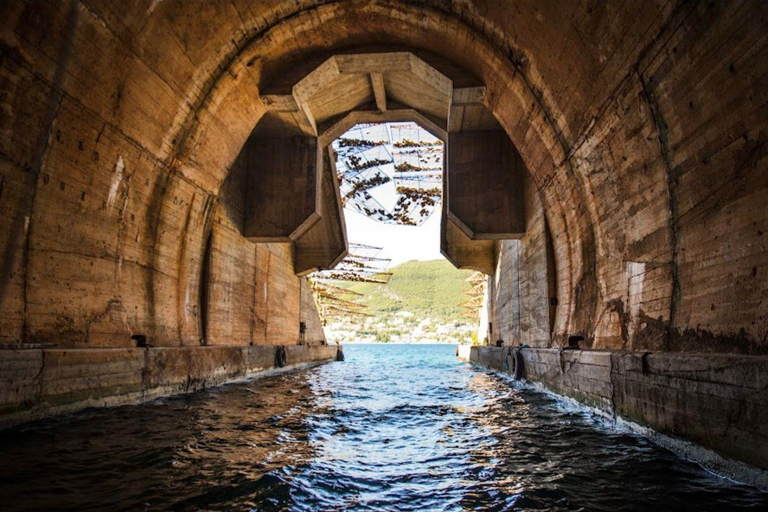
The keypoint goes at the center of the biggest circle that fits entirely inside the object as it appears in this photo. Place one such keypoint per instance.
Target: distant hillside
(424, 288)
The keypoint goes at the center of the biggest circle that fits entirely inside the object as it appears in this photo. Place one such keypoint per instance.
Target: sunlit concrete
(123, 181)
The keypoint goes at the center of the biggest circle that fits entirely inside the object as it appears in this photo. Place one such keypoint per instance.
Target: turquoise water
(394, 427)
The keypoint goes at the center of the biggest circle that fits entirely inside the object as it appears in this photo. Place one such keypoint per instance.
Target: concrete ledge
(39, 383)
(718, 401)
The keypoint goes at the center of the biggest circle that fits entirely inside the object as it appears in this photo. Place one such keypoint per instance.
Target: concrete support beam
(341, 84)
(286, 116)
(306, 115)
(462, 251)
(388, 62)
(379, 92)
(461, 98)
(280, 103)
(468, 96)
(324, 244)
(311, 85)
(283, 192)
(485, 179)
(335, 130)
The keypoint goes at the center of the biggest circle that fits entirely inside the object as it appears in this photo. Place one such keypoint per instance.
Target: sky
(400, 243)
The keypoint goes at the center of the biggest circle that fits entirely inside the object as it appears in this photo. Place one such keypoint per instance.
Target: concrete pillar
(283, 188)
(483, 198)
(485, 176)
(324, 244)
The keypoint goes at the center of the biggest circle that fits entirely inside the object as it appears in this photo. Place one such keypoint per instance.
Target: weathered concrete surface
(38, 383)
(716, 400)
(485, 176)
(325, 244)
(283, 188)
(521, 288)
(254, 297)
(642, 126)
(645, 140)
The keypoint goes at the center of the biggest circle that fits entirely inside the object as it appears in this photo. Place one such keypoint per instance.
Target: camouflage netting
(392, 173)
(470, 308)
(362, 265)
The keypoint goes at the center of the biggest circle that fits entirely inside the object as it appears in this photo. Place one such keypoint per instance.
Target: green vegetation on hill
(425, 288)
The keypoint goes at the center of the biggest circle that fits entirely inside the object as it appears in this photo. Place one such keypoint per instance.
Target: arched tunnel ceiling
(376, 82)
(645, 143)
(642, 124)
(398, 86)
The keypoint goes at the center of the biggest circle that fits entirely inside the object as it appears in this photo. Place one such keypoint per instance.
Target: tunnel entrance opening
(394, 285)
(309, 159)
(391, 173)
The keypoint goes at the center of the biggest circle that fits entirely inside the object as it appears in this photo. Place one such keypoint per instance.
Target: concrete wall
(518, 295)
(122, 262)
(254, 298)
(252, 301)
(103, 230)
(718, 401)
(645, 140)
(660, 242)
(641, 124)
(36, 383)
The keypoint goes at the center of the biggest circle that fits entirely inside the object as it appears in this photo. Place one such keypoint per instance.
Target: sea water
(394, 427)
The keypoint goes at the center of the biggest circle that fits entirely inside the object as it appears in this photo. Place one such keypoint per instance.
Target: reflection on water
(395, 427)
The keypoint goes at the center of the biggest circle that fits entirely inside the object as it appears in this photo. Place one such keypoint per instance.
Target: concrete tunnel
(166, 186)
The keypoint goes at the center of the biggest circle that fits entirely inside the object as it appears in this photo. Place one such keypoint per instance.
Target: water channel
(394, 427)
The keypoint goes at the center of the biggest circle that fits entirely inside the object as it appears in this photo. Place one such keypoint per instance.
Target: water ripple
(392, 428)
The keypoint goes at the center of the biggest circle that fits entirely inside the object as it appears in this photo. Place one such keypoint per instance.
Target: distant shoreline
(394, 343)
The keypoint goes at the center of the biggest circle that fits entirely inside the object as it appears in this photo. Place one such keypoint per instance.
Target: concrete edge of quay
(40, 383)
(707, 408)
